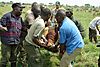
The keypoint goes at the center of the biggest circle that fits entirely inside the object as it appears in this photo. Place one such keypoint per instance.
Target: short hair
(17, 5)
(36, 10)
(33, 4)
(45, 12)
(60, 12)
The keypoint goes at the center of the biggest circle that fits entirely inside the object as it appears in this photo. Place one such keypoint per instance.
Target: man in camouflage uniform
(69, 14)
(22, 54)
(12, 23)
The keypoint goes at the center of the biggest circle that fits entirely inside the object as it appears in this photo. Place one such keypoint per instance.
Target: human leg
(13, 55)
(5, 50)
(66, 59)
(90, 34)
(33, 55)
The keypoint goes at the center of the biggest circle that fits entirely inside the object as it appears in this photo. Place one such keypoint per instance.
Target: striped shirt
(14, 26)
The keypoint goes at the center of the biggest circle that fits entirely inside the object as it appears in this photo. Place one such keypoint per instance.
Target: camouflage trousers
(8, 53)
(33, 56)
(21, 56)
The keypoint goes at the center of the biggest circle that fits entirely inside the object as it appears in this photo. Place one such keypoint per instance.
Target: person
(71, 42)
(69, 14)
(54, 11)
(33, 41)
(29, 16)
(11, 25)
(21, 50)
(93, 28)
(57, 7)
(52, 35)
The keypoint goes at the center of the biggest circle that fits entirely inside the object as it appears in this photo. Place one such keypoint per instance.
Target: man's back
(70, 35)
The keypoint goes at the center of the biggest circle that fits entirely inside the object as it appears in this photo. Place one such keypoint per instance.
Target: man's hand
(62, 50)
(3, 29)
(61, 54)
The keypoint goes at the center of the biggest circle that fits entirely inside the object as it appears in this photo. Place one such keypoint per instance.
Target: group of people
(42, 28)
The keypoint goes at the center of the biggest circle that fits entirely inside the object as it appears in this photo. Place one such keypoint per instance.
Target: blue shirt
(14, 27)
(70, 36)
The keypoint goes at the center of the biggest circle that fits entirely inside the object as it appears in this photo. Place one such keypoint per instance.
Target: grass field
(90, 53)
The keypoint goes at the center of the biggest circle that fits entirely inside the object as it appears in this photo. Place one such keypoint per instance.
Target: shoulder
(68, 24)
(67, 21)
(7, 14)
(39, 21)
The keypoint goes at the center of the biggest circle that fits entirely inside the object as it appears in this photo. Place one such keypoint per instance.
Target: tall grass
(90, 52)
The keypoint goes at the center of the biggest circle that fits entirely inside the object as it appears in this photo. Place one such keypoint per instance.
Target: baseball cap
(17, 5)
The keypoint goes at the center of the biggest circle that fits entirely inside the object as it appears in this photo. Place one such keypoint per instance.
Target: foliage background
(90, 52)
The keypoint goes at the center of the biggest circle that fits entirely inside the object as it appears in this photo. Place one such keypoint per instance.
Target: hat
(17, 5)
(57, 3)
(69, 10)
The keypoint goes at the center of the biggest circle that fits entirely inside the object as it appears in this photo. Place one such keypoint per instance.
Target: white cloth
(94, 22)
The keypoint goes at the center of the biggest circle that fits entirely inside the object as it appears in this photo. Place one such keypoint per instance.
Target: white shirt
(94, 22)
(35, 30)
